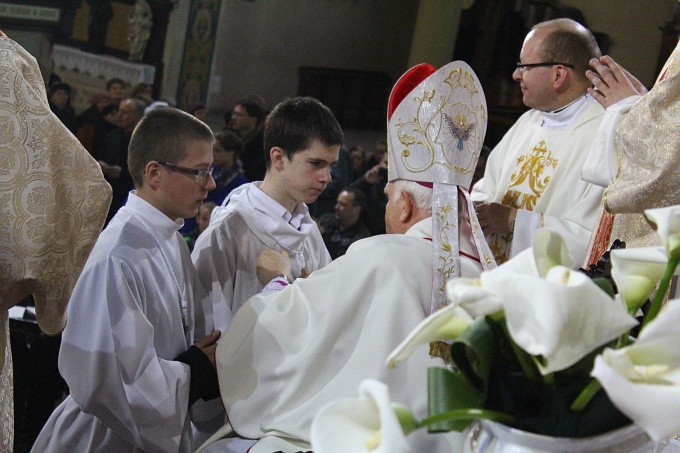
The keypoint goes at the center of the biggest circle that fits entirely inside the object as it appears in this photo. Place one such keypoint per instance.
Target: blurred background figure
(247, 119)
(378, 154)
(199, 110)
(115, 152)
(60, 104)
(202, 220)
(372, 184)
(91, 118)
(143, 91)
(358, 156)
(345, 226)
(115, 89)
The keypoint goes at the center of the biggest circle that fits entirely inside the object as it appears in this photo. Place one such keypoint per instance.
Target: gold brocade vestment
(647, 143)
(53, 202)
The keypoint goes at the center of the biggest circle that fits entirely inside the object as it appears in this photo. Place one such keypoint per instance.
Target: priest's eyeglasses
(522, 68)
(200, 176)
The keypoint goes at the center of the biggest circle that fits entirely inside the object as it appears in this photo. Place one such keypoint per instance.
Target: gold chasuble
(647, 144)
(53, 202)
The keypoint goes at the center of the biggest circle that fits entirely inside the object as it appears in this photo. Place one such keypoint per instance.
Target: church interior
(346, 53)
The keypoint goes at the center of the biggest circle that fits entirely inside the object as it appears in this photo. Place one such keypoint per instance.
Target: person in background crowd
(344, 227)
(115, 89)
(199, 110)
(358, 156)
(115, 156)
(91, 119)
(246, 120)
(202, 222)
(143, 91)
(60, 104)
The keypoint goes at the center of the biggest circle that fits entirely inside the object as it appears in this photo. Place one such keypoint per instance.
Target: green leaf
(605, 285)
(448, 391)
(473, 353)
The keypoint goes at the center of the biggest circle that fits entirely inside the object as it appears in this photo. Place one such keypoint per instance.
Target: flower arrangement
(540, 347)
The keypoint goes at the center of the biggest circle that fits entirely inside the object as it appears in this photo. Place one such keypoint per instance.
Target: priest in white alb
(533, 176)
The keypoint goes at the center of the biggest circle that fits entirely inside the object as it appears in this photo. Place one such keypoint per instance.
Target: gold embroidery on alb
(532, 167)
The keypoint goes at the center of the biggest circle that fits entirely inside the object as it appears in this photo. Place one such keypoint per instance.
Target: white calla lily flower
(445, 324)
(636, 272)
(367, 424)
(550, 250)
(667, 222)
(643, 379)
(476, 298)
(562, 318)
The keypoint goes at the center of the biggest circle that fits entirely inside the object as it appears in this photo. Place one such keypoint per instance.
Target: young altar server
(302, 140)
(127, 353)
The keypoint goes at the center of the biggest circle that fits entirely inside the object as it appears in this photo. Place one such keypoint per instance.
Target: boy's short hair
(294, 124)
(230, 141)
(164, 135)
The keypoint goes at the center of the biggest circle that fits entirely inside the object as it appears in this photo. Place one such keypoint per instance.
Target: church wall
(634, 28)
(261, 44)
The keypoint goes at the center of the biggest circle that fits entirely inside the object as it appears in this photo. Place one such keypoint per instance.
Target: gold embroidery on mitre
(459, 124)
(532, 167)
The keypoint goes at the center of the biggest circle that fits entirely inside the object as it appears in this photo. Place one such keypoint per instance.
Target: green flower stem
(525, 361)
(585, 396)
(549, 379)
(661, 292)
(467, 414)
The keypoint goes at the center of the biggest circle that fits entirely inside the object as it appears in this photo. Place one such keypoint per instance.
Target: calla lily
(445, 324)
(562, 317)
(550, 250)
(367, 424)
(636, 273)
(643, 379)
(667, 222)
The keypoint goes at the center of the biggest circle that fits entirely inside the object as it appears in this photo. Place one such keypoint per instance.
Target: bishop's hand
(271, 263)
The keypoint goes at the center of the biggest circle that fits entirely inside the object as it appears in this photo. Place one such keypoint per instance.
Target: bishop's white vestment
(536, 168)
(288, 353)
(225, 254)
(130, 315)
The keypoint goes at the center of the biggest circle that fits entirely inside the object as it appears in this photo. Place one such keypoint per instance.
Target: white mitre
(436, 123)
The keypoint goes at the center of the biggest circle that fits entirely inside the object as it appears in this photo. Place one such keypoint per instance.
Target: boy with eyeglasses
(126, 353)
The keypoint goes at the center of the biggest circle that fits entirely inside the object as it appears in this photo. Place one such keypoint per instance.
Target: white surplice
(125, 327)
(288, 353)
(536, 168)
(225, 254)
